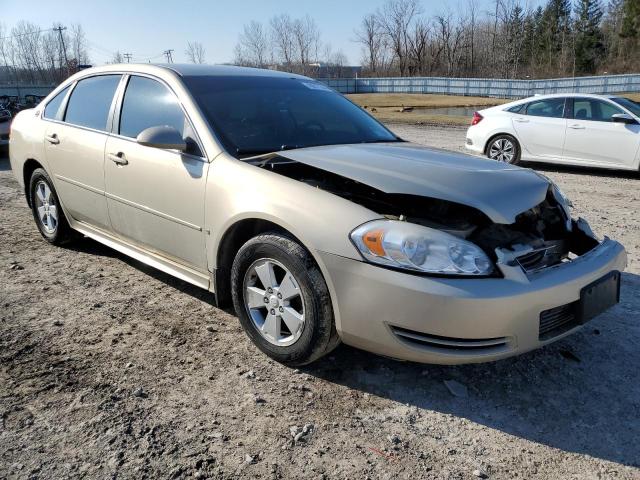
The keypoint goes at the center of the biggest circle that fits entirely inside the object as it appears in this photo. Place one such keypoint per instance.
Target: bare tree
(418, 48)
(26, 41)
(450, 34)
(195, 52)
(370, 36)
(117, 57)
(253, 46)
(78, 43)
(306, 41)
(472, 9)
(395, 18)
(282, 38)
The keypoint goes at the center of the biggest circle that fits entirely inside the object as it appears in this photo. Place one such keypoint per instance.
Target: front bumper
(453, 321)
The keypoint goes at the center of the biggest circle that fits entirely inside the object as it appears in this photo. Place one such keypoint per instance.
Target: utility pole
(127, 57)
(168, 54)
(62, 46)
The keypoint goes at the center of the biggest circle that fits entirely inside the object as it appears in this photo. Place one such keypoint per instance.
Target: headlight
(423, 249)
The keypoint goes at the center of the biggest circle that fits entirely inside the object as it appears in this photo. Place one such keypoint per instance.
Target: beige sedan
(315, 221)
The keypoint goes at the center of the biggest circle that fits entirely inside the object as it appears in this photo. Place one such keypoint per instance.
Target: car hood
(499, 190)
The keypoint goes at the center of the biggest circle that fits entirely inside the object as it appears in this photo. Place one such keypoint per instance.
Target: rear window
(550, 107)
(91, 100)
(51, 111)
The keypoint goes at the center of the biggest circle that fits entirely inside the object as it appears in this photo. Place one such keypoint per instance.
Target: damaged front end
(540, 237)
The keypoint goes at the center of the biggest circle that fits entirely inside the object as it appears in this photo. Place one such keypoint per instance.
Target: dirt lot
(109, 369)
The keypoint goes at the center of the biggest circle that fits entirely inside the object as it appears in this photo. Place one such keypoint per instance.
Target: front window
(630, 105)
(594, 110)
(148, 103)
(254, 115)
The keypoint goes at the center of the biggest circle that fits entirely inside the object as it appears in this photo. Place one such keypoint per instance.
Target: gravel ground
(109, 369)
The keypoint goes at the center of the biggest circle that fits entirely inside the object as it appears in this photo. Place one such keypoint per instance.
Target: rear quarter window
(52, 110)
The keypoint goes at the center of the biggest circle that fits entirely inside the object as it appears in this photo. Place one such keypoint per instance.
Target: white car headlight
(423, 249)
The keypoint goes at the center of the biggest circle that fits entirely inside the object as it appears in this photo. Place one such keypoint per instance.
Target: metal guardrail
(486, 87)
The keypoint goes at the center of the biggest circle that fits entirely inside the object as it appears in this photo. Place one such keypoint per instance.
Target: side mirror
(164, 137)
(624, 118)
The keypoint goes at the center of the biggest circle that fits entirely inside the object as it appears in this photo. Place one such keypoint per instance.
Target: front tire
(504, 148)
(47, 211)
(282, 300)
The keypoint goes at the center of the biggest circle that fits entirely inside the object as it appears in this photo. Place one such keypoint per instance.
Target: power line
(27, 33)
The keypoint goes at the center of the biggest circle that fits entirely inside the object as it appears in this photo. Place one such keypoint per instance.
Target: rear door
(156, 197)
(541, 128)
(594, 139)
(75, 138)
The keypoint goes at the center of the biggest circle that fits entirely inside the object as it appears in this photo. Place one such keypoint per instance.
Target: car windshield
(630, 105)
(253, 115)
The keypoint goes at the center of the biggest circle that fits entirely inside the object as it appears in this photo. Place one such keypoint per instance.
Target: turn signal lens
(373, 241)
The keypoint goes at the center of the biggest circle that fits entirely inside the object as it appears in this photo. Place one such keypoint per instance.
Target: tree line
(33, 55)
(509, 40)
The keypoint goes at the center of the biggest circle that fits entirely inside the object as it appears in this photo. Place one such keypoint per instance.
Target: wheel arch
(230, 242)
(30, 166)
(493, 136)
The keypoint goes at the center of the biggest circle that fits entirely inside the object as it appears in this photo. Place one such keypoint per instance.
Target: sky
(147, 28)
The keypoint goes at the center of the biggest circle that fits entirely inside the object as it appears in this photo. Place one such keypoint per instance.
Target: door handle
(522, 120)
(118, 158)
(53, 138)
(577, 127)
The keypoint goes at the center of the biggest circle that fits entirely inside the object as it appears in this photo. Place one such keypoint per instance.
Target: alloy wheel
(502, 150)
(274, 301)
(46, 207)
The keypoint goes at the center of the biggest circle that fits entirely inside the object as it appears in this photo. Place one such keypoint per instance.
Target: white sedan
(572, 129)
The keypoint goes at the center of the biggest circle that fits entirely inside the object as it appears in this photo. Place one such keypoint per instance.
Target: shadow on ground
(579, 395)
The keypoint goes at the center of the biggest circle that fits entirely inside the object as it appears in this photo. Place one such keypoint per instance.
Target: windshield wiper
(397, 139)
(264, 151)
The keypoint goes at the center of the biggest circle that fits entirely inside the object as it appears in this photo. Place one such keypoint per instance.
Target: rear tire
(504, 148)
(47, 211)
(258, 302)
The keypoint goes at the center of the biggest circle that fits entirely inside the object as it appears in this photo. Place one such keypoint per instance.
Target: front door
(156, 197)
(594, 139)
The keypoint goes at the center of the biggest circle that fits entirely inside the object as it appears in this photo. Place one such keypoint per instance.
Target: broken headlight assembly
(417, 248)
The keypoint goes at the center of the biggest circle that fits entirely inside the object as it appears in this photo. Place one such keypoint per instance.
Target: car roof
(189, 70)
(568, 94)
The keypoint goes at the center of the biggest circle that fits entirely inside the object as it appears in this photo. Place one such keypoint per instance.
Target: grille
(532, 261)
(541, 258)
(558, 320)
(452, 345)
